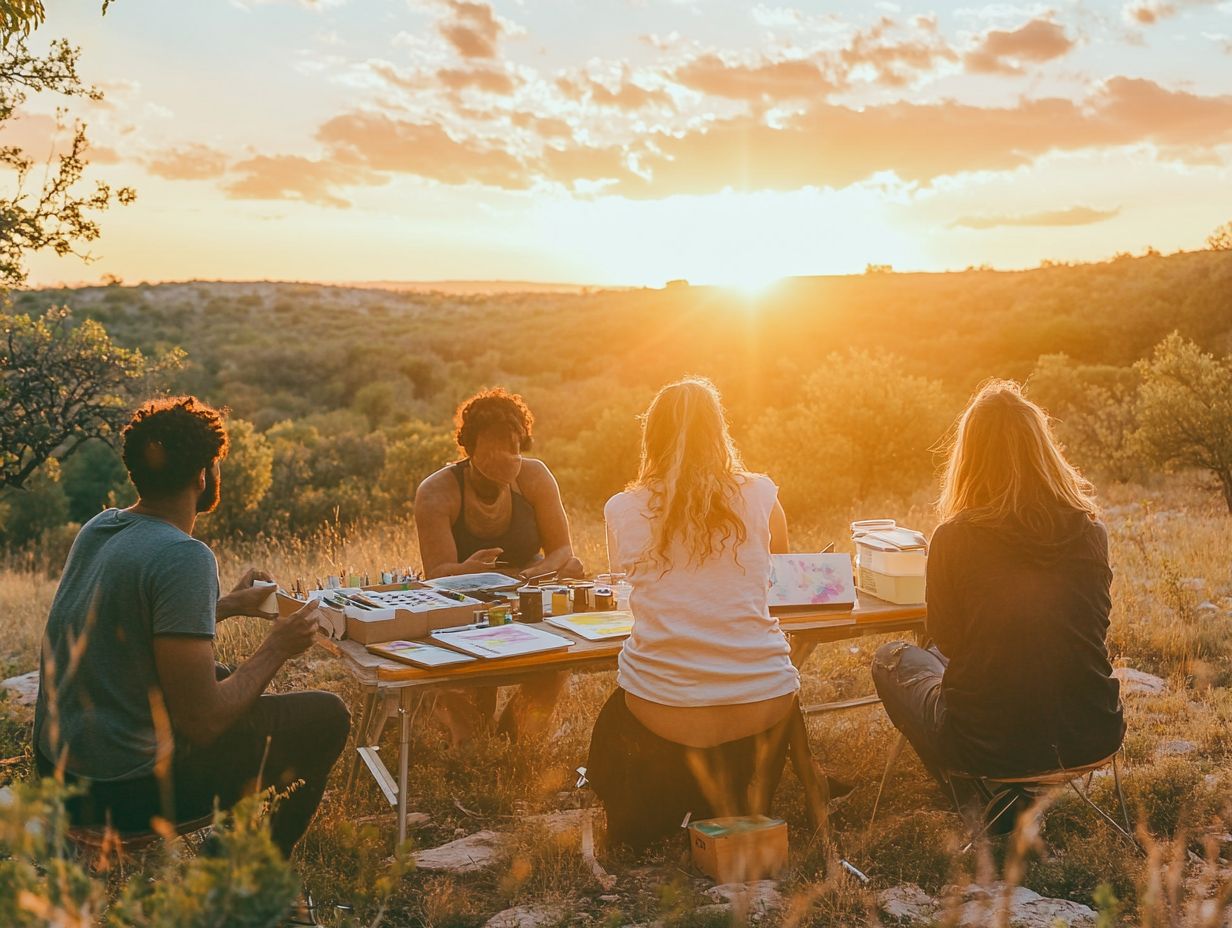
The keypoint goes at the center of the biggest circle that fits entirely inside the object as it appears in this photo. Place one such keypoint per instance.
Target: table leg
(404, 760)
(801, 651)
(362, 738)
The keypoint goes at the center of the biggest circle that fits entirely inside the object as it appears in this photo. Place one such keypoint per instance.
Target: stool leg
(1116, 777)
(895, 752)
(816, 789)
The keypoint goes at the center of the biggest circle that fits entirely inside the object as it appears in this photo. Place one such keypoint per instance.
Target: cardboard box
(739, 849)
(901, 590)
(371, 626)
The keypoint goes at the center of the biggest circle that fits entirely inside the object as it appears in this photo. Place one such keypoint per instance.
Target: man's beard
(208, 500)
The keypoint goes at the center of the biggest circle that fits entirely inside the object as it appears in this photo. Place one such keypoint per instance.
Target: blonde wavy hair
(1005, 464)
(692, 469)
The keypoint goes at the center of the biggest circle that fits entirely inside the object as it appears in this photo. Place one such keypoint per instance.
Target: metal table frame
(390, 688)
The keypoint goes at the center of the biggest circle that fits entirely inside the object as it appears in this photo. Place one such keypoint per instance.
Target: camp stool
(97, 843)
(1029, 785)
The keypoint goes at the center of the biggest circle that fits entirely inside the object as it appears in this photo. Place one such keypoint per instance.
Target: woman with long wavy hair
(1018, 681)
(705, 681)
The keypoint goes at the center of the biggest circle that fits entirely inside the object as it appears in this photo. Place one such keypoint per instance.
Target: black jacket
(1023, 620)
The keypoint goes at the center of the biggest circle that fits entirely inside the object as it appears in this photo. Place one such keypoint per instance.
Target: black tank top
(520, 541)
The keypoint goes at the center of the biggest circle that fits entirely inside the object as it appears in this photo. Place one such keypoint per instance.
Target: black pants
(648, 784)
(305, 733)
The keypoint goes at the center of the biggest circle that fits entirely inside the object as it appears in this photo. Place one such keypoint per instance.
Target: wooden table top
(871, 616)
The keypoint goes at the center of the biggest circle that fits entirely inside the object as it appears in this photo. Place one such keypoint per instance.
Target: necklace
(484, 519)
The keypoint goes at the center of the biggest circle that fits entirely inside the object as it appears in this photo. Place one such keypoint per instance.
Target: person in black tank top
(495, 510)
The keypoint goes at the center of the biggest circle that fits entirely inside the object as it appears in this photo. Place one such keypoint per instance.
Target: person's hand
(294, 634)
(246, 599)
(482, 560)
(250, 577)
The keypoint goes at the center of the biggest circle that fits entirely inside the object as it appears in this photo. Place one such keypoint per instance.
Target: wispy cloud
(1074, 216)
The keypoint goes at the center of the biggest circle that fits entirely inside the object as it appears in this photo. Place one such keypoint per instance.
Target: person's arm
(543, 493)
(200, 707)
(778, 530)
(244, 599)
(434, 526)
(944, 622)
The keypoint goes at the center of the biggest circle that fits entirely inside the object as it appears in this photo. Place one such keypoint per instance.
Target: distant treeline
(841, 388)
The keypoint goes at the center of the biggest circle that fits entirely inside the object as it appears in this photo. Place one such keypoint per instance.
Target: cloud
(1074, 216)
(1149, 12)
(1005, 52)
(472, 28)
(781, 79)
(486, 78)
(628, 95)
(292, 177)
(835, 146)
(896, 54)
(192, 162)
(489, 80)
(381, 143)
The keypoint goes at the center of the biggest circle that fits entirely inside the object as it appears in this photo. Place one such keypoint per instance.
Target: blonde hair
(691, 468)
(1004, 463)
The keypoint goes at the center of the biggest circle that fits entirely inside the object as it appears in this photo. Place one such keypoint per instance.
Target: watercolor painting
(811, 580)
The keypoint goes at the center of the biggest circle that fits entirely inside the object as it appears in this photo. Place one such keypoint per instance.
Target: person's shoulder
(535, 475)
(755, 482)
(631, 499)
(186, 554)
(437, 487)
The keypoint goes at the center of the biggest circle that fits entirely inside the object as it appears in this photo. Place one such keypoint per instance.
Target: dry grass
(1173, 596)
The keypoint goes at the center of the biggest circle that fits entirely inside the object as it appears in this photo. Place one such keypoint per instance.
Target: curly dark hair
(169, 441)
(493, 409)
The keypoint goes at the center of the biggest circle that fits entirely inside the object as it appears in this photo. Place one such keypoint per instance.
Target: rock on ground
(23, 689)
(1139, 683)
(527, 916)
(978, 906)
(1177, 748)
(465, 855)
(752, 901)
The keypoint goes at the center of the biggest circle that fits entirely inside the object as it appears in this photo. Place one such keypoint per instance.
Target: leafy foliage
(1185, 409)
(53, 214)
(61, 385)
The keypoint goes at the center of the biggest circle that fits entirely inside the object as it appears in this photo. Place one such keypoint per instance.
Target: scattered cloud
(381, 143)
(627, 94)
(1149, 12)
(489, 80)
(781, 79)
(472, 28)
(191, 162)
(1005, 52)
(1074, 216)
(896, 54)
(292, 177)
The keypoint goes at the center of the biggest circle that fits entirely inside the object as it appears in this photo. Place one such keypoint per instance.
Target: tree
(54, 214)
(1221, 238)
(1185, 409)
(1093, 407)
(247, 474)
(61, 385)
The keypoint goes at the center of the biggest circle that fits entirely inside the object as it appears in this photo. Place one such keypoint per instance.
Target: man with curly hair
(496, 510)
(132, 707)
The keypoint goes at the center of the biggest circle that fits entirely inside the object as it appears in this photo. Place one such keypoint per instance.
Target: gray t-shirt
(128, 578)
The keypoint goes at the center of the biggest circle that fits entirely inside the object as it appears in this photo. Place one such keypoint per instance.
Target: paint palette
(421, 600)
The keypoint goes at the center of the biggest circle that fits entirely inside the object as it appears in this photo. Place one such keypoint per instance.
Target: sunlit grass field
(1172, 617)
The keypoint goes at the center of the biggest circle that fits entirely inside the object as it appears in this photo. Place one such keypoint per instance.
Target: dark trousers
(908, 680)
(648, 784)
(280, 740)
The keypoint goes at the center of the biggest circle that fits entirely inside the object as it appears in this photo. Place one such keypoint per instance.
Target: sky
(629, 142)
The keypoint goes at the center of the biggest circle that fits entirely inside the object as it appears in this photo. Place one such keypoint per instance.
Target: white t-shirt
(702, 634)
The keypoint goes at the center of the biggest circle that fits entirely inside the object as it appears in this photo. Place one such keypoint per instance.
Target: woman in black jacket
(1018, 681)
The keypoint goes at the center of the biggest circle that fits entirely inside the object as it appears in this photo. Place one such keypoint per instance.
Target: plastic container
(899, 589)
